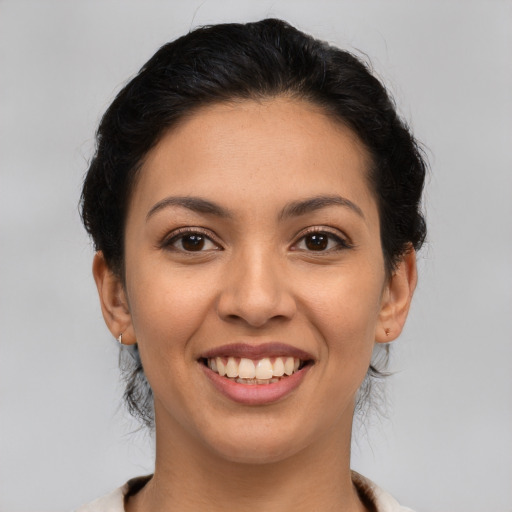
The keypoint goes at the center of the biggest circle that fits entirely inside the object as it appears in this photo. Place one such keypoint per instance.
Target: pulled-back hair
(221, 63)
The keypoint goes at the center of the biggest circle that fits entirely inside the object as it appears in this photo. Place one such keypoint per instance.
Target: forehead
(255, 152)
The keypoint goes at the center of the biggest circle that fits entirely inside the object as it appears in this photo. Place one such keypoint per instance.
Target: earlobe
(114, 304)
(396, 299)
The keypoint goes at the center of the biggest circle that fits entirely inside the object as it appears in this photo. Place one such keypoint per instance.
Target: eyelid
(174, 235)
(344, 240)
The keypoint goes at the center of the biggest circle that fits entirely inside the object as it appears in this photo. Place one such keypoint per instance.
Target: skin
(255, 280)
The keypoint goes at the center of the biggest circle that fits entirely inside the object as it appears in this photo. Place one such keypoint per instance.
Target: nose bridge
(255, 288)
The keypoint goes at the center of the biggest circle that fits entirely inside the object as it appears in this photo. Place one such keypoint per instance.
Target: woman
(254, 202)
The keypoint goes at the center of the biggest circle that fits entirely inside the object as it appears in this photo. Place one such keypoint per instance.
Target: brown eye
(316, 241)
(192, 241)
(321, 241)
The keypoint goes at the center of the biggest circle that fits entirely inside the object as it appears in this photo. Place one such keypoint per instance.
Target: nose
(256, 290)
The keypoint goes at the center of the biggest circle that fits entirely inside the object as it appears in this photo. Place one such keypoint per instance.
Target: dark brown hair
(245, 61)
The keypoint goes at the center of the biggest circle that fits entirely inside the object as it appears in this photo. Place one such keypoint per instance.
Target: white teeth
(246, 369)
(264, 369)
(251, 382)
(221, 367)
(288, 366)
(278, 367)
(232, 368)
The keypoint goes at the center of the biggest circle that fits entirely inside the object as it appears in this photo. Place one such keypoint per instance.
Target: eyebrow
(196, 204)
(293, 209)
(297, 208)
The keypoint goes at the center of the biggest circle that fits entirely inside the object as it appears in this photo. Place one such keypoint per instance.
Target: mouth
(266, 370)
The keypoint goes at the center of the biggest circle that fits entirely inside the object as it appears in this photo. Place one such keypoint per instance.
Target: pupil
(317, 242)
(193, 242)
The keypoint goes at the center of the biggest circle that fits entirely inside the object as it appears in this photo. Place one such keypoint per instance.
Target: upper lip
(254, 352)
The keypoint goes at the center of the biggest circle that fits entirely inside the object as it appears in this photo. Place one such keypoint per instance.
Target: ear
(396, 299)
(114, 304)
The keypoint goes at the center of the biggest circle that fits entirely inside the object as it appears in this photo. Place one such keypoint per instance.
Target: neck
(189, 477)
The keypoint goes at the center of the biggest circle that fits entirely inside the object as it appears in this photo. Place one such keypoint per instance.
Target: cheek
(167, 308)
(347, 307)
(345, 321)
(345, 315)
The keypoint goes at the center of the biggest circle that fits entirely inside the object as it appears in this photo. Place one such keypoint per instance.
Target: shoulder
(375, 497)
(113, 502)
(372, 494)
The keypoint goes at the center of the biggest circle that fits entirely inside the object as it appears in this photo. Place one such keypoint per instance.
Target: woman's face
(252, 238)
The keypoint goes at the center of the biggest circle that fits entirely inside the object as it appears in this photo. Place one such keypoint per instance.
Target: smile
(256, 374)
(261, 371)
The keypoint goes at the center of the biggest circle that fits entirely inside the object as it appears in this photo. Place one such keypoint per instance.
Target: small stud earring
(120, 339)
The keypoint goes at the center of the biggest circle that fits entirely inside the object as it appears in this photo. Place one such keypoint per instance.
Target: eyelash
(170, 243)
(181, 234)
(340, 242)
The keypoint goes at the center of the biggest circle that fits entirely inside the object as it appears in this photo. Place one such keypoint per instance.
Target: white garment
(113, 502)
(382, 501)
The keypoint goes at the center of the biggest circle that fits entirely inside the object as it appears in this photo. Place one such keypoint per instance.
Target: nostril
(255, 298)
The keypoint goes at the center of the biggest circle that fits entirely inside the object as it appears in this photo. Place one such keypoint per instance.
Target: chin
(258, 453)
(261, 444)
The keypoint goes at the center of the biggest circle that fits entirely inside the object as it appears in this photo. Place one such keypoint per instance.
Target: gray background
(64, 439)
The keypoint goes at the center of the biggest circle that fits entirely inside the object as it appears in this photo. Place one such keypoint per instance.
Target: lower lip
(256, 394)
